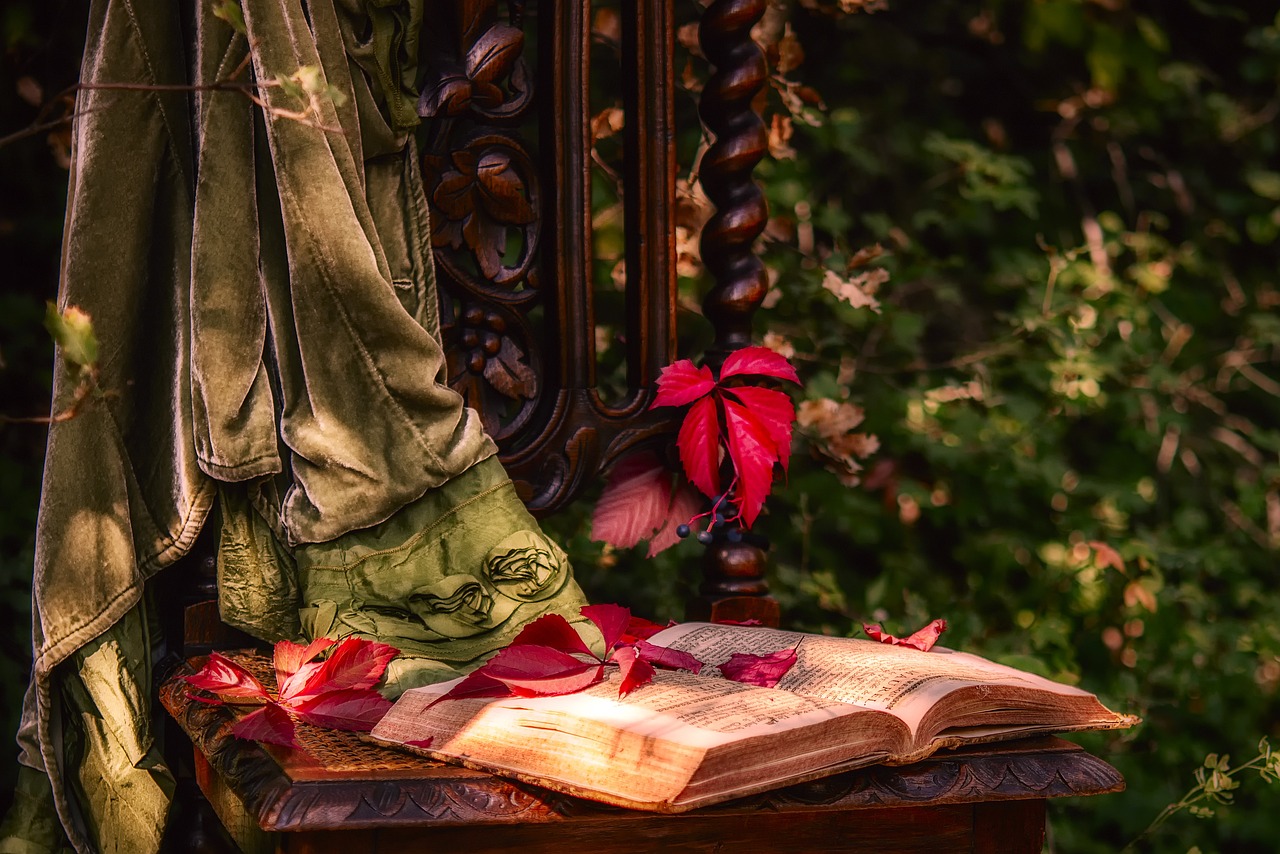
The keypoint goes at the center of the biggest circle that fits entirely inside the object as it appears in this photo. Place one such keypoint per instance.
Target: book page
(903, 681)
(645, 748)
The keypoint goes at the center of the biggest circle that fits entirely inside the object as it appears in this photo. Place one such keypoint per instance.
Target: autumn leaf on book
(549, 658)
(335, 692)
(923, 640)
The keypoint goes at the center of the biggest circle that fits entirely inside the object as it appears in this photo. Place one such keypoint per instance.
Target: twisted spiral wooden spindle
(740, 142)
(733, 585)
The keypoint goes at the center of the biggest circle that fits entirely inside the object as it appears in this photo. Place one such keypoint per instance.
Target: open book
(685, 741)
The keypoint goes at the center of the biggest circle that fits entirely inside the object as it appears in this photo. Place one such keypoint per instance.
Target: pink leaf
(775, 411)
(476, 684)
(353, 663)
(554, 631)
(290, 657)
(421, 743)
(685, 504)
(611, 620)
(634, 502)
(753, 457)
(758, 360)
(533, 671)
(922, 640)
(681, 383)
(634, 669)
(762, 670)
(699, 444)
(270, 724)
(662, 656)
(227, 679)
(352, 709)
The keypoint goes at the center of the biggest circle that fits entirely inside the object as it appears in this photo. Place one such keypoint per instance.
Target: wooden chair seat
(342, 794)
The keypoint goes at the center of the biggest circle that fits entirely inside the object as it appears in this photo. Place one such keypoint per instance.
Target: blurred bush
(1025, 260)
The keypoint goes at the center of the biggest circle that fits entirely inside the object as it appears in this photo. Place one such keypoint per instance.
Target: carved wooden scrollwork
(511, 232)
(483, 189)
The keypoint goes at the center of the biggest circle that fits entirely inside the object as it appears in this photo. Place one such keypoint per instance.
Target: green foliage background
(1076, 351)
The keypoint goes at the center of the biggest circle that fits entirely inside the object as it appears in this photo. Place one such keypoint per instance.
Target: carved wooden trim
(512, 233)
(288, 790)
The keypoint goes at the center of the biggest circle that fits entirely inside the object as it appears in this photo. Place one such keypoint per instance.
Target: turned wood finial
(733, 586)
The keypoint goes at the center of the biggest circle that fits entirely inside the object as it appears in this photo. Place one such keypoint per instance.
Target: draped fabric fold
(258, 272)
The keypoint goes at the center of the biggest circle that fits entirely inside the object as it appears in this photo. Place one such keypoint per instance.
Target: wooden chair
(506, 166)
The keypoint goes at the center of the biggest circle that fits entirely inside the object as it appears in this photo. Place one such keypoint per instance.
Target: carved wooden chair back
(507, 161)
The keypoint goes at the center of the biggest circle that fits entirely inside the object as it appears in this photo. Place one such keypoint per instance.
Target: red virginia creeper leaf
(554, 631)
(290, 657)
(762, 670)
(699, 444)
(685, 504)
(422, 743)
(228, 680)
(352, 709)
(270, 724)
(758, 360)
(681, 383)
(922, 640)
(665, 657)
(353, 663)
(611, 620)
(634, 502)
(753, 456)
(634, 669)
(476, 684)
(535, 671)
(775, 411)
(638, 628)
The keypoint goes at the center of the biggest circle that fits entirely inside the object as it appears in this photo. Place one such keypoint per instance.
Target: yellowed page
(903, 681)
(640, 750)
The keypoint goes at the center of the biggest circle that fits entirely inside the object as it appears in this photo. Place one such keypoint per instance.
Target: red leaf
(270, 724)
(554, 631)
(422, 743)
(635, 670)
(758, 360)
(753, 456)
(533, 671)
(699, 444)
(352, 709)
(762, 670)
(638, 628)
(775, 411)
(922, 640)
(476, 684)
(354, 663)
(224, 677)
(665, 657)
(681, 383)
(290, 657)
(611, 620)
(634, 502)
(685, 504)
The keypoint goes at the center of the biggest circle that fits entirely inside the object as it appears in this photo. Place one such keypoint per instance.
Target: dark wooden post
(733, 586)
